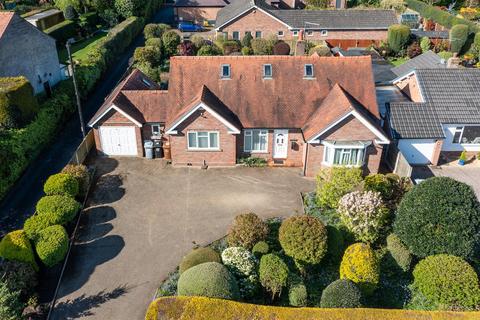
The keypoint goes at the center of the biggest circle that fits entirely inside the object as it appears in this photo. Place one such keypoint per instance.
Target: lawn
(397, 61)
(81, 48)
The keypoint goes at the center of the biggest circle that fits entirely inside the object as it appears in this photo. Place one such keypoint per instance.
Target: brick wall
(410, 87)
(198, 15)
(436, 152)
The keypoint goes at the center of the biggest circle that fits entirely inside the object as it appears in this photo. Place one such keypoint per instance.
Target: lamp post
(77, 94)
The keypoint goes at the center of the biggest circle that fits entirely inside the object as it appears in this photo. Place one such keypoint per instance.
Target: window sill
(256, 152)
(204, 150)
(309, 78)
(340, 165)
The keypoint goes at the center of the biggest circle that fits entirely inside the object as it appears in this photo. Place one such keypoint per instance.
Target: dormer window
(225, 71)
(267, 71)
(308, 71)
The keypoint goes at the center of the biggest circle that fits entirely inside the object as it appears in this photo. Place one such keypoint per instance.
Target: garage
(118, 140)
(417, 151)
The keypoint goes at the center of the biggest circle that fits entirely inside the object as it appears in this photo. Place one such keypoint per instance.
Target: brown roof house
(27, 51)
(309, 112)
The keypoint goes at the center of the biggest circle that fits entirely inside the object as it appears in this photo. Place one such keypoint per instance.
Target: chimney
(300, 35)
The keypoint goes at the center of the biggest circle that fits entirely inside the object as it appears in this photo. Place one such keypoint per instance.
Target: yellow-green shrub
(61, 184)
(17, 102)
(16, 246)
(52, 245)
(360, 265)
(80, 172)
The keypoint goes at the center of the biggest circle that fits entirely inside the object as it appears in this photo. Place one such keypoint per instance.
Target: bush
(364, 214)
(281, 48)
(335, 243)
(70, 13)
(475, 48)
(10, 304)
(425, 44)
(260, 248)
(458, 37)
(360, 265)
(148, 54)
(59, 209)
(414, 50)
(154, 42)
(153, 30)
(62, 31)
(334, 183)
(16, 246)
(210, 279)
(247, 40)
(397, 5)
(198, 41)
(253, 161)
(440, 215)
(297, 295)
(18, 105)
(209, 50)
(19, 276)
(246, 51)
(35, 224)
(128, 8)
(243, 265)
(52, 245)
(385, 184)
(273, 274)
(261, 46)
(230, 46)
(399, 252)
(80, 173)
(61, 184)
(445, 55)
(398, 37)
(341, 293)
(247, 229)
(448, 282)
(186, 48)
(198, 256)
(170, 40)
(321, 50)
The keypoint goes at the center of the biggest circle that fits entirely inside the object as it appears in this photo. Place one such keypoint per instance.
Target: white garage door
(417, 151)
(118, 141)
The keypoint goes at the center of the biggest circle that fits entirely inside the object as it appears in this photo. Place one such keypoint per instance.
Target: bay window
(203, 140)
(255, 140)
(350, 154)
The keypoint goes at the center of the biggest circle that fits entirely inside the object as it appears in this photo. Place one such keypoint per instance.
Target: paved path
(142, 219)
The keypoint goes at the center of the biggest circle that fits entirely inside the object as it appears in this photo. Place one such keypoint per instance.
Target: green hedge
(61, 184)
(62, 31)
(17, 102)
(36, 224)
(16, 246)
(52, 245)
(61, 209)
(198, 256)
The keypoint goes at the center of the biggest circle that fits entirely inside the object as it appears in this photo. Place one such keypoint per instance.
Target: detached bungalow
(309, 112)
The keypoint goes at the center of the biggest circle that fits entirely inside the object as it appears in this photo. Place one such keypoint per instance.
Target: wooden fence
(83, 149)
(397, 161)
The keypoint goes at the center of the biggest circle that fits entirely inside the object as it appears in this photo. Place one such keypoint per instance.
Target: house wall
(409, 86)
(27, 51)
(196, 14)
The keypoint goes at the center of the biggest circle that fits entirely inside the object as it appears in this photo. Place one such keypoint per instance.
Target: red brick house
(344, 28)
(308, 112)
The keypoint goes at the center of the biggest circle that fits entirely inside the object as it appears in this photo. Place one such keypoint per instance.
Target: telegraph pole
(77, 94)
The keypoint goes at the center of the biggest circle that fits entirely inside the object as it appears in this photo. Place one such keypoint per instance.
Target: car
(189, 27)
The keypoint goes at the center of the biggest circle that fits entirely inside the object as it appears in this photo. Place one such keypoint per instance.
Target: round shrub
(170, 41)
(304, 238)
(260, 248)
(239, 261)
(80, 172)
(261, 47)
(297, 295)
(154, 42)
(398, 37)
(440, 215)
(59, 209)
(52, 245)
(321, 50)
(448, 282)
(335, 243)
(385, 184)
(360, 265)
(273, 274)
(364, 214)
(399, 252)
(19, 276)
(341, 293)
(16, 246)
(198, 256)
(35, 224)
(334, 183)
(458, 36)
(209, 50)
(210, 279)
(247, 229)
(61, 184)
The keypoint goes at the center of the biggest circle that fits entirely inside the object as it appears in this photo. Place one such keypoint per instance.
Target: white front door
(118, 141)
(280, 145)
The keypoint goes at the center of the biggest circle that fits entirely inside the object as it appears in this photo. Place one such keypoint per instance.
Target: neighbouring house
(27, 51)
(309, 112)
(342, 28)
(443, 117)
(46, 19)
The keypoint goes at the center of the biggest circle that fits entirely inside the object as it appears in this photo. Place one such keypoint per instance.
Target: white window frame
(309, 33)
(295, 33)
(280, 33)
(238, 35)
(265, 76)
(324, 33)
(229, 71)
(257, 32)
(461, 129)
(153, 131)
(329, 154)
(305, 75)
(248, 134)
(197, 148)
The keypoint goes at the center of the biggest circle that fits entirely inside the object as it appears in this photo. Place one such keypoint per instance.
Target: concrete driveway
(142, 218)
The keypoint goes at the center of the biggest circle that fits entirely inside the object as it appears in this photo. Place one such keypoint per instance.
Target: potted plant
(463, 158)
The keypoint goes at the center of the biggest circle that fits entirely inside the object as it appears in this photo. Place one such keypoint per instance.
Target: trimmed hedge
(62, 31)
(334, 183)
(398, 37)
(298, 296)
(458, 37)
(341, 293)
(360, 265)
(18, 104)
(210, 279)
(246, 230)
(399, 252)
(61, 184)
(16, 246)
(80, 172)
(59, 209)
(193, 308)
(52, 245)
(198, 256)
(35, 224)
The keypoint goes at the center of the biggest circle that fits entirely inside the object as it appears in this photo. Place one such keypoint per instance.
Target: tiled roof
(5, 18)
(427, 59)
(410, 120)
(202, 3)
(430, 34)
(233, 10)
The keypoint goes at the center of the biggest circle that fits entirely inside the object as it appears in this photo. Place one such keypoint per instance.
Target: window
(255, 140)
(467, 135)
(308, 71)
(280, 33)
(225, 35)
(324, 33)
(344, 154)
(258, 34)
(457, 134)
(267, 70)
(236, 35)
(225, 72)
(155, 129)
(203, 140)
(295, 33)
(310, 33)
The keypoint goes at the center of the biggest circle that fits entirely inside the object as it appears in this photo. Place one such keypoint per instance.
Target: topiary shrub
(16, 246)
(153, 30)
(61, 184)
(170, 41)
(52, 245)
(360, 265)
(335, 243)
(341, 293)
(246, 230)
(364, 214)
(17, 102)
(398, 37)
(154, 42)
(19, 276)
(399, 252)
(210, 279)
(440, 215)
(321, 50)
(298, 296)
(458, 37)
(448, 282)
(273, 274)
(59, 209)
(334, 183)
(260, 248)
(198, 256)
(261, 47)
(304, 238)
(79, 172)
(243, 265)
(35, 224)
(281, 48)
